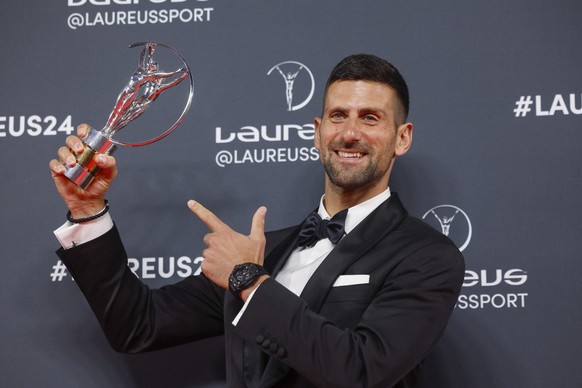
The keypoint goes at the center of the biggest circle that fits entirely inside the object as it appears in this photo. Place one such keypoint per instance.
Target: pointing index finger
(206, 216)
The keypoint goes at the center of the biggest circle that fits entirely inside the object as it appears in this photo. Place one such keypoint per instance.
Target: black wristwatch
(243, 276)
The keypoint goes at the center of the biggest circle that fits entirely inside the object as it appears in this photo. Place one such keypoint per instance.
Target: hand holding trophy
(146, 84)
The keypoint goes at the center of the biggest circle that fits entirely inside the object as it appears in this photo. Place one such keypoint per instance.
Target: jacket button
(266, 343)
(273, 348)
(260, 338)
(281, 353)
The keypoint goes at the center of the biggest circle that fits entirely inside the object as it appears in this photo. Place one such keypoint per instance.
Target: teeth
(350, 154)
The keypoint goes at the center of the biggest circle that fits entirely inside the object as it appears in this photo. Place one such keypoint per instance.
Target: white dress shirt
(304, 261)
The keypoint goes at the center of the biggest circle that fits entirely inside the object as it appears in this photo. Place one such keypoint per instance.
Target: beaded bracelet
(90, 218)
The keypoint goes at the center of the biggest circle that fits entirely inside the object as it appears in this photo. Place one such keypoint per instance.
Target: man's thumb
(258, 225)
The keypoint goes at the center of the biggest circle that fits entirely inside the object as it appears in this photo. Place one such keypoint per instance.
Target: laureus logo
(291, 71)
(453, 222)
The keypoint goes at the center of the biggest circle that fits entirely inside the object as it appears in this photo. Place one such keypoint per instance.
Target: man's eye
(370, 118)
(337, 115)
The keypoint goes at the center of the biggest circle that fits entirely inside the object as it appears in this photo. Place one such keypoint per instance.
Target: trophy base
(79, 176)
(84, 171)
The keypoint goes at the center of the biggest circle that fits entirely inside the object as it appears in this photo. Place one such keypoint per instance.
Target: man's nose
(351, 132)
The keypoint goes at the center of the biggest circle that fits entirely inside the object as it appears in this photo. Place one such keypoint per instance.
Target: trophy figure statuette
(146, 84)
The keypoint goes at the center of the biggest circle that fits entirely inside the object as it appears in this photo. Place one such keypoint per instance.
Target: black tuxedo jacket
(373, 334)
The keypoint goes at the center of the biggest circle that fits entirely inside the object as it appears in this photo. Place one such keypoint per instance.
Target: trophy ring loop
(186, 106)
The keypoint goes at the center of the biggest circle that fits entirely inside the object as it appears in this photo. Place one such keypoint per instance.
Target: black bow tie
(314, 229)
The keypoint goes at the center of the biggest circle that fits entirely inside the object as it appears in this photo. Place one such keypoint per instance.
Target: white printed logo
(561, 104)
(290, 70)
(443, 216)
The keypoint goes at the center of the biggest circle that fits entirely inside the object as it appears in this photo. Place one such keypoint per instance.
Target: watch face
(244, 275)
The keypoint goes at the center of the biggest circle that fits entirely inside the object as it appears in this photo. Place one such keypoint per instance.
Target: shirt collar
(357, 213)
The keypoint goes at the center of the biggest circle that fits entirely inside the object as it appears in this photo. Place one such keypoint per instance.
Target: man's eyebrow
(372, 110)
(361, 111)
(336, 109)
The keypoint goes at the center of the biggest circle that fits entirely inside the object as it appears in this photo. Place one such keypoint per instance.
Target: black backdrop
(496, 94)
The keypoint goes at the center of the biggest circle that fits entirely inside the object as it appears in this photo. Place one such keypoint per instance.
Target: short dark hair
(367, 67)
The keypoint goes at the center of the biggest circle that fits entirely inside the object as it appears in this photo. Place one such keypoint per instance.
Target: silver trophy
(145, 85)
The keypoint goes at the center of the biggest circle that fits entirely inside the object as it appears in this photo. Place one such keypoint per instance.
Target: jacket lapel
(277, 257)
(367, 234)
(360, 240)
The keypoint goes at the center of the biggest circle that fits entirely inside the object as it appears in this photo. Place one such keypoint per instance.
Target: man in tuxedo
(355, 296)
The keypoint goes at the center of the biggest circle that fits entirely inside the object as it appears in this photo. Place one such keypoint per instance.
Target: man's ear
(403, 139)
(316, 137)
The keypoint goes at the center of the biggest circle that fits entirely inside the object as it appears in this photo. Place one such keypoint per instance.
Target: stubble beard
(352, 177)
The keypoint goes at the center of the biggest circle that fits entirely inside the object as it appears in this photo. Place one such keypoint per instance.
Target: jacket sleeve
(134, 317)
(402, 322)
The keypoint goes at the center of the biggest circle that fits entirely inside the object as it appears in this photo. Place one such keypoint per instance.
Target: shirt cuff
(244, 307)
(70, 235)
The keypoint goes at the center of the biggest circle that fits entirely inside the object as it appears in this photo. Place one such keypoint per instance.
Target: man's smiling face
(358, 136)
